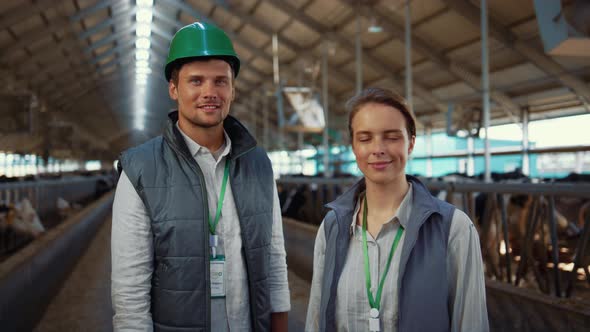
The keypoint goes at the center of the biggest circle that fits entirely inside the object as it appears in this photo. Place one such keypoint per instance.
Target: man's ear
(172, 90)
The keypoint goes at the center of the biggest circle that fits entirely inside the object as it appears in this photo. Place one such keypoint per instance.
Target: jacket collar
(241, 140)
(424, 203)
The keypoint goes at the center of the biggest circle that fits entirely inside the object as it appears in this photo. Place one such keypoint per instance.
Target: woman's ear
(411, 145)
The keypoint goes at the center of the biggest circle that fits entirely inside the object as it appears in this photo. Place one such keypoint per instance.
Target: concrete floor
(84, 302)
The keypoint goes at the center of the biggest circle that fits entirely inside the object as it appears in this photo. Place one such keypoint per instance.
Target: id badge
(217, 271)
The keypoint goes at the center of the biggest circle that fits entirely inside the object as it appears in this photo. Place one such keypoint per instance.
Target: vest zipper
(193, 163)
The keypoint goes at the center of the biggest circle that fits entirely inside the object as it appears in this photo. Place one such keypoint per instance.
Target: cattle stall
(29, 208)
(533, 235)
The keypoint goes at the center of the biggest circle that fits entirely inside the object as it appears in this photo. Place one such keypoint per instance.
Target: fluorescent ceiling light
(142, 55)
(144, 15)
(375, 29)
(374, 26)
(144, 3)
(143, 30)
(142, 64)
(142, 43)
(143, 70)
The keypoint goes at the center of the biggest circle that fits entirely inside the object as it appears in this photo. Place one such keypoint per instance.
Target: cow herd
(21, 223)
(530, 236)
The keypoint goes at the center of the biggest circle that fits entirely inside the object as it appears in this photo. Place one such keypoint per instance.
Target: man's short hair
(176, 65)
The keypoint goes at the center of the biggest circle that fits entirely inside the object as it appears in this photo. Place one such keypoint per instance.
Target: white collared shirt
(465, 273)
(132, 253)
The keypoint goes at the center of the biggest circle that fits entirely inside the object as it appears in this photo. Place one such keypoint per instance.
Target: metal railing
(43, 196)
(539, 247)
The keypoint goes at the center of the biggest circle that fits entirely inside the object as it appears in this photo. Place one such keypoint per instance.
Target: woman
(389, 256)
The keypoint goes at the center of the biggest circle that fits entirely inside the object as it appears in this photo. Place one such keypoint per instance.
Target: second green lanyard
(213, 238)
(375, 302)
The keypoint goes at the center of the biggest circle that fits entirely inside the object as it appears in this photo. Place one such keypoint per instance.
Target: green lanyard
(213, 223)
(376, 303)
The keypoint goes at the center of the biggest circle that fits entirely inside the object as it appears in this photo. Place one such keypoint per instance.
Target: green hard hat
(201, 40)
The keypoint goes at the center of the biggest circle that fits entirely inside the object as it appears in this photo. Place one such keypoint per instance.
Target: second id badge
(217, 271)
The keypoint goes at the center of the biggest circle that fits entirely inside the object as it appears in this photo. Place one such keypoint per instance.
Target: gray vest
(172, 188)
(423, 284)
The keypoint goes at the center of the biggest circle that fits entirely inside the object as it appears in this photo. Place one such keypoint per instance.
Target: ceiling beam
(397, 30)
(55, 112)
(24, 11)
(55, 49)
(112, 37)
(91, 10)
(336, 73)
(118, 18)
(21, 142)
(371, 60)
(502, 34)
(31, 36)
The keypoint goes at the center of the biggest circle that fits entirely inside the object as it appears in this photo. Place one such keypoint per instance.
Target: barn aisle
(84, 301)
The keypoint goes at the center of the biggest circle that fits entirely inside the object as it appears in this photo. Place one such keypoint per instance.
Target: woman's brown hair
(384, 97)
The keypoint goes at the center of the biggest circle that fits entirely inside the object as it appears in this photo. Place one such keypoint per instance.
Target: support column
(428, 139)
(485, 85)
(470, 169)
(325, 137)
(526, 168)
(359, 53)
(300, 148)
(279, 89)
(579, 162)
(265, 124)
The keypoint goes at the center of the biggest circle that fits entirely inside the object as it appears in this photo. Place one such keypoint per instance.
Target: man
(197, 242)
